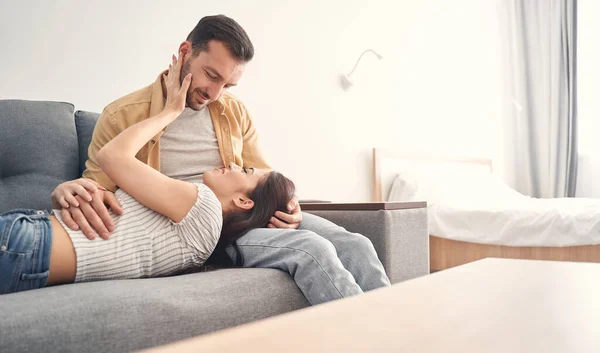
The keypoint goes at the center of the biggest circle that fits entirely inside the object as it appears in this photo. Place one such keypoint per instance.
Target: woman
(167, 226)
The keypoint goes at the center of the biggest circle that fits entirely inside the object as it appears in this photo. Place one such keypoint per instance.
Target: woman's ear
(243, 202)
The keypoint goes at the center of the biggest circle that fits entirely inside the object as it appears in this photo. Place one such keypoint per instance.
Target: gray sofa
(45, 143)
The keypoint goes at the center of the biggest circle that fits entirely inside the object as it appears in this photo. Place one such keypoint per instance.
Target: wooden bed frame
(446, 253)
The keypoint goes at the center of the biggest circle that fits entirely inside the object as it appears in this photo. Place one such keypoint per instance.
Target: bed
(473, 215)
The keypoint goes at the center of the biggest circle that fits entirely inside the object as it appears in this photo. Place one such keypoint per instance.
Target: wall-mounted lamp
(345, 79)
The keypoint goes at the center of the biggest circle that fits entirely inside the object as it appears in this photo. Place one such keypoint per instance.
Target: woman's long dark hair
(272, 193)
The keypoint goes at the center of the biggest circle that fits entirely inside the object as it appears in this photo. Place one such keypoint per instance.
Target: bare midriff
(63, 261)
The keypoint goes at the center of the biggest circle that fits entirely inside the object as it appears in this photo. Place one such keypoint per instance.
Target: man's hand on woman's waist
(84, 207)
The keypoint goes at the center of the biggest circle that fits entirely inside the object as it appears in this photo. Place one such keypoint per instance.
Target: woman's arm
(170, 197)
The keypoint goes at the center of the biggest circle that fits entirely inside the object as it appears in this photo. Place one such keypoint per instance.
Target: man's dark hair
(225, 30)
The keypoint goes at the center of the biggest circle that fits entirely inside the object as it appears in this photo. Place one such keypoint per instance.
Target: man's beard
(193, 103)
(189, 99)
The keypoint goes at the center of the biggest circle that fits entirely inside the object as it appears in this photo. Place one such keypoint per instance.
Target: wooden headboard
(385, 167)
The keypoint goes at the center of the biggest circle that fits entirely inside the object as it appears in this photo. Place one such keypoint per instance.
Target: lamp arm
(360, 57)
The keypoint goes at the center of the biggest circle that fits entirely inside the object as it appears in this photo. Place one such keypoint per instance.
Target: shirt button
(40, 212)
(3, 247)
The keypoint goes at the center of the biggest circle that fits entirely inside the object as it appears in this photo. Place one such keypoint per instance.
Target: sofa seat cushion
(128, 315)
(38, 150)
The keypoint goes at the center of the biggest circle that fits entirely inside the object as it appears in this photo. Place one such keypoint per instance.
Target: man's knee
(359, 241)
(312, 244)
(319, 224)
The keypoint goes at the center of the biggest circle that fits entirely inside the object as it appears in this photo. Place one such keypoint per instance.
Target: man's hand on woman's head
(84, 207)
(285, 220)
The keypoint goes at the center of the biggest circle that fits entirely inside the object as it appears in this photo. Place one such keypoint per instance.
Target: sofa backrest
(85, 123)
(41, 146)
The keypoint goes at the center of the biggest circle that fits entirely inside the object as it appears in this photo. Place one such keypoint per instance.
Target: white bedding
(479, 208)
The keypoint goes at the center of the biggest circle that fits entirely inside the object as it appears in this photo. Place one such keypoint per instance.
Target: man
(215, 129)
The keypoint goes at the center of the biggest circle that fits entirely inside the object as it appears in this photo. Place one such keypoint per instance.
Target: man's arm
(105, 130)
(251, 153)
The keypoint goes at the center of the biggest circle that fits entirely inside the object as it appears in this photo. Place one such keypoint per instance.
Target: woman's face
(233, 184)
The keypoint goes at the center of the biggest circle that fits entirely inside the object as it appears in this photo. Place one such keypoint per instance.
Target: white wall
(434, 90)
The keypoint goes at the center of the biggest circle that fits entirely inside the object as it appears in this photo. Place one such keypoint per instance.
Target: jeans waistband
(25, 211)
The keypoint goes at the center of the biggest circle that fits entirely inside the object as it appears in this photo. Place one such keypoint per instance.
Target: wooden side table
(361, 206)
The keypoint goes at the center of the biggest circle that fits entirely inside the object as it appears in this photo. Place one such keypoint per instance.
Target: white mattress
(483, 210)
(550, 222)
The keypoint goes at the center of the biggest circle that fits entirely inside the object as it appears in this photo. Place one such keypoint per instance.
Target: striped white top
(147, 244)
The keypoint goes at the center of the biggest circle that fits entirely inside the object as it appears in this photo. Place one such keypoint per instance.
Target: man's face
(212, 71)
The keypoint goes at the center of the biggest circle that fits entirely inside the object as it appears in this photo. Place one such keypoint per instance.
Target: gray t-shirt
(189, 147)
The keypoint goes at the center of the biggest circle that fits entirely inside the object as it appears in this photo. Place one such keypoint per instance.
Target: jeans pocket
(21, 236)
(11, 267)
(35, 276)
(33, 281)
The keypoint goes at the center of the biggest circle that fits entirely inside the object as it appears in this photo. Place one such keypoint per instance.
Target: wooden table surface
(492, 305)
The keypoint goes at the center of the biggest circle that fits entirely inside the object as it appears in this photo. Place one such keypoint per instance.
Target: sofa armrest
(398, 231)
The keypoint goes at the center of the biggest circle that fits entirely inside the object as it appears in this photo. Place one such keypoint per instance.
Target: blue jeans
(25, 245)
(326, 261)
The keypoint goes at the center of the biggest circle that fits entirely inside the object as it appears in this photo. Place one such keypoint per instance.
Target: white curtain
(539, 120)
